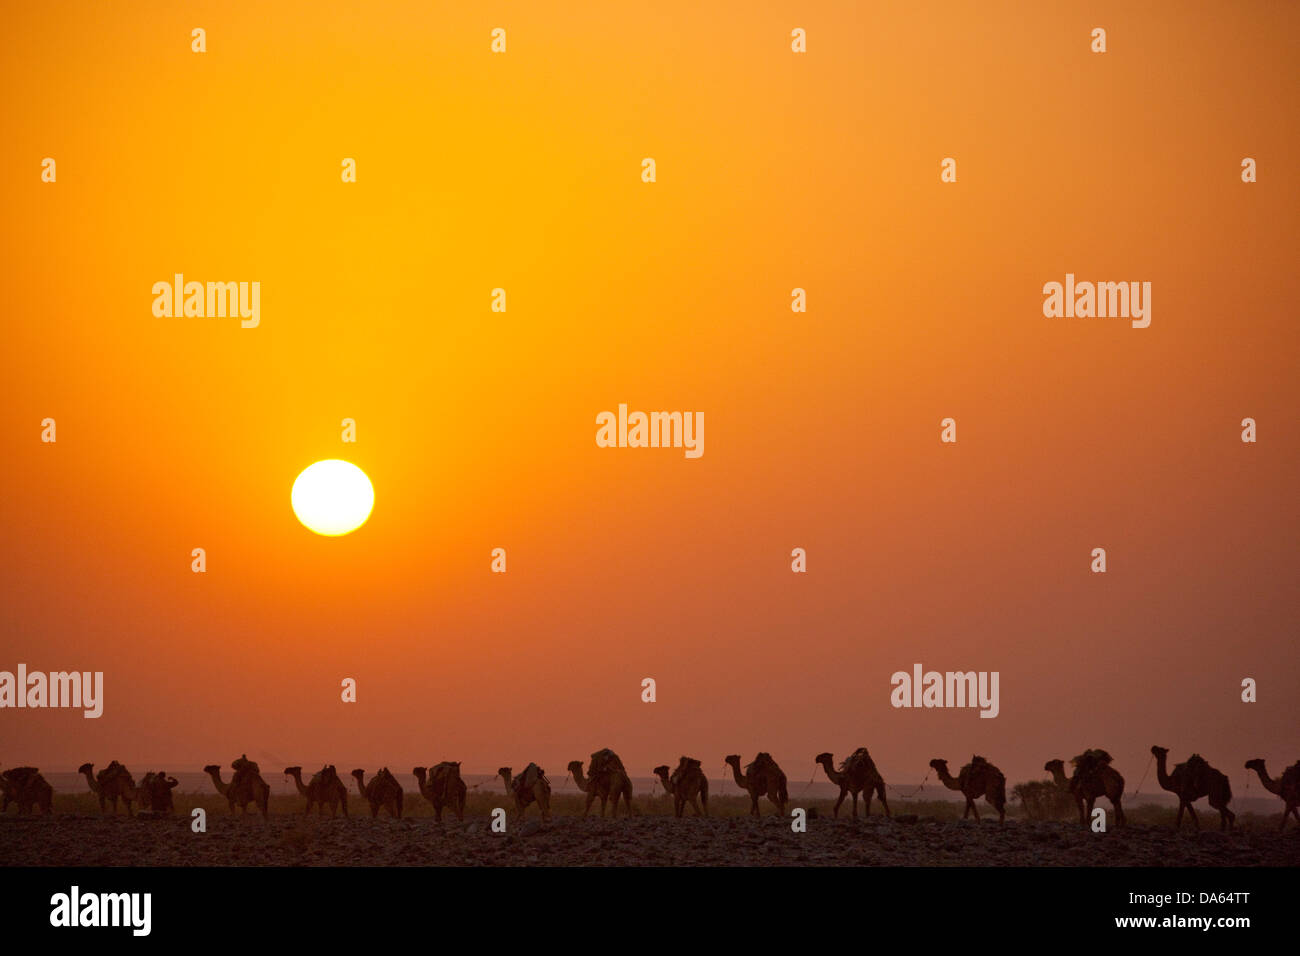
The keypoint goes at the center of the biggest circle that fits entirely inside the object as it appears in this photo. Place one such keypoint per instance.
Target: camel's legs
(1119, 811)
(843, 792)
(753, 807)
(880, 792)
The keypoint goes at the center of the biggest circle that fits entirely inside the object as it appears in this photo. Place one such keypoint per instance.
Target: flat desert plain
(921, 834)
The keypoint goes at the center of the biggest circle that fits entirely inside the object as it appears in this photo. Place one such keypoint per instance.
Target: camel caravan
(604, 778)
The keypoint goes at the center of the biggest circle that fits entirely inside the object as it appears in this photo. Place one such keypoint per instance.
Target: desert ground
(927, 833)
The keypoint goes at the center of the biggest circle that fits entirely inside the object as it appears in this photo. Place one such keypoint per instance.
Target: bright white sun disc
(333, 497)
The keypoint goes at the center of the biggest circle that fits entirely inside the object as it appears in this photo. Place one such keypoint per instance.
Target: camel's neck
(579, 780)
(1271, 785)
(90, 779)
(741, 780)
(360, 778)
(831, 773)
(507, 778)
(667, 781)
(297, 778)
(1162, 777)
(1058, 776)
(216, 779)
(948, 780)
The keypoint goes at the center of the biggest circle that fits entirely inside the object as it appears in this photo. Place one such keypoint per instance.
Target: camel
(383, 790)
(529, 786)
(1192, 780)
(444, 788)
(26, 787)
(979, 778)
(325, 789)
(687, 784)
(155, 794)
(762, 777)
(112, 782)
(608, 778)
(856, 774)
(245, 787)
(1287, 787)
(1093, 777)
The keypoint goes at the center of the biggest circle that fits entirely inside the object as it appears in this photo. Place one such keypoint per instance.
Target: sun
(333, 497)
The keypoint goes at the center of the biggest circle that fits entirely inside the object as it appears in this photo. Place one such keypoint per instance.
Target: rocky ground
(650, 840)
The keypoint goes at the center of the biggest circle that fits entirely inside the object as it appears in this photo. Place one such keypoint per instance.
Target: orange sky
(775, 170)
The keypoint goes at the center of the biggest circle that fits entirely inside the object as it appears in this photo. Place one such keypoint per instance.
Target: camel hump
(1089, 763)
(447, 768)
(243, 764)
(1291, 775)
(530, 777)
(685, 765)
(1095, 757)
(763, 763)
(858, 760)
(21, 774)
(604, 762)
(1196, 762)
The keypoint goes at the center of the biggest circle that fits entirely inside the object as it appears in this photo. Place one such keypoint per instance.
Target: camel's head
(575, 767)
(1256, 764)
(1054, 765)
(359, 774)
(292, 771)
(212, 768)
(823, 757)
(505, 772)
(419, 773)
(1160, 751)
(733, 759)
(938, 765)
(660, 771)
(86, 768)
